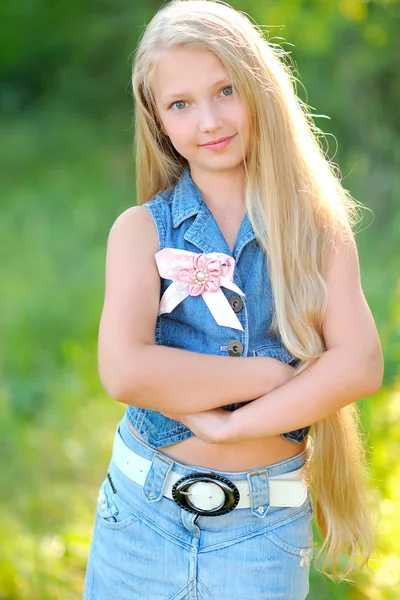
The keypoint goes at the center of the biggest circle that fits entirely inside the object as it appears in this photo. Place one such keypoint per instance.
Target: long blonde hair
(297, 207)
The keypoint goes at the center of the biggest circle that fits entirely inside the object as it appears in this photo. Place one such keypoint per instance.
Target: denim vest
(184, 222)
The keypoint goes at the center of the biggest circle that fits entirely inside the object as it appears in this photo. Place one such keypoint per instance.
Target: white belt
(287, 489)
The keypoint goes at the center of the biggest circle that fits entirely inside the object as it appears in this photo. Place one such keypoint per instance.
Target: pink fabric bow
(199, 275)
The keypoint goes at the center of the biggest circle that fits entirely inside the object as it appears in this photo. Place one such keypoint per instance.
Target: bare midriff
(241, 456)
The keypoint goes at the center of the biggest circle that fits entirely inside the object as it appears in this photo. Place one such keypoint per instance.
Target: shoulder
(150, 218)
(343, 262)
(133, 229)
(131, 218)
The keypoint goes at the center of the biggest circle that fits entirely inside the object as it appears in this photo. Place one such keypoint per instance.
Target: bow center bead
(200, 275)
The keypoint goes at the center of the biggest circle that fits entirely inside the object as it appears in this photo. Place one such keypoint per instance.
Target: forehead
(181, 69)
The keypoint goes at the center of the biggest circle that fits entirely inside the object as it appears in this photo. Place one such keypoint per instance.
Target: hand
(211, 426)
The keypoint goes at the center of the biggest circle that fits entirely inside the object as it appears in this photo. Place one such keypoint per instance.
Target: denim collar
(204, 231)
(187, 200)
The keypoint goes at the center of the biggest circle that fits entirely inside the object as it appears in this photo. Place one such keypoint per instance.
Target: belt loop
(156, 477)
(259, 493)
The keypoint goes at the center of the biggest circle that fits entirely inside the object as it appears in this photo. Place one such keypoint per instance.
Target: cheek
(245, 138)
(244, 123)
(175, 128)
(236, 113)
(243, 117)
(178, 131)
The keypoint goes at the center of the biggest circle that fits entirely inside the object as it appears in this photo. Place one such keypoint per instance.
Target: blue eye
(230, 90)
(178, 105)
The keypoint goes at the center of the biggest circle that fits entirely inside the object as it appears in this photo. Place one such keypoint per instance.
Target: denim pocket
(295, 537)
(113, 512)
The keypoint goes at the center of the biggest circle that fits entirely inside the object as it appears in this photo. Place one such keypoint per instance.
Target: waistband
(285, 466)
(161, 472)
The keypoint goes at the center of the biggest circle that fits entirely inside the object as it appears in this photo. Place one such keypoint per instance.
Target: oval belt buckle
(181, 494)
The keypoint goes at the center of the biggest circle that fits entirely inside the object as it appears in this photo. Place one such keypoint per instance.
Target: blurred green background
(68, 171)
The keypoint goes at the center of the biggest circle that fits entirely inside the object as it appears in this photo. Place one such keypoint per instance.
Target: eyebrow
(185, 94)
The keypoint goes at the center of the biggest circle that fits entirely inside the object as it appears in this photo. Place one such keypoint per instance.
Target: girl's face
(197, 107)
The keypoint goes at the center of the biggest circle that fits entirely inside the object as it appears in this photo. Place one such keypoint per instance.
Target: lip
(217, 144)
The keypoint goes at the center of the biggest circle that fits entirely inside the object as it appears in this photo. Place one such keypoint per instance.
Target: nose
(209, 118)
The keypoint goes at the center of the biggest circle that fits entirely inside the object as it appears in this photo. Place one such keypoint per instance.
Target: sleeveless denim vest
(184, 222)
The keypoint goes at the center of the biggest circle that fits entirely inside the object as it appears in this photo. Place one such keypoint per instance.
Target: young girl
(242, 248)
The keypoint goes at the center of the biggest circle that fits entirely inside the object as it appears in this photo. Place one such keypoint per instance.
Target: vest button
(236, 303)
(235, 348)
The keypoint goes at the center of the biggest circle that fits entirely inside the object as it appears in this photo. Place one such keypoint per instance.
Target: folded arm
(350, 369)
(132, 368)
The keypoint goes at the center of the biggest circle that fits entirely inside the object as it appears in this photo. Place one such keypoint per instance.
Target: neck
(222, 191)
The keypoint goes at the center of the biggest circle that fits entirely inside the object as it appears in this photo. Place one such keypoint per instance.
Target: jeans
(155, 550)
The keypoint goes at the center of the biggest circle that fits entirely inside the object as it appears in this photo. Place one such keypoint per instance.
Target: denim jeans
(154, 550)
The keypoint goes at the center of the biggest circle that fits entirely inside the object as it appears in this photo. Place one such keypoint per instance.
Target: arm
(132, 368)
(350, 369)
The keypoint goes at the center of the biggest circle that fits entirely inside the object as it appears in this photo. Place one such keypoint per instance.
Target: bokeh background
(67, 165)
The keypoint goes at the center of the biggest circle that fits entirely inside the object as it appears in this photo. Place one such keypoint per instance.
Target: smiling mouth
(215, 142)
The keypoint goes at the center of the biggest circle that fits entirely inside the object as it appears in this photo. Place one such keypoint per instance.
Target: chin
(226, 163)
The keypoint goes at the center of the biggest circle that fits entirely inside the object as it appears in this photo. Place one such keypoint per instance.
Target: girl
(242, 248)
